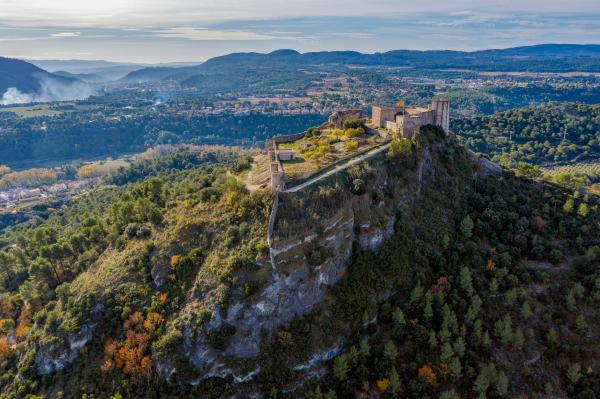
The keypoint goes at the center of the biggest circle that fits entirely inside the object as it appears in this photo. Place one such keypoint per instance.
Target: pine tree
(455, 367)
(395, 385)
(581, 323)
(460, 347)
(330, 395)
(416, 294)
(364, 349)
(428, 309)
(399, 320)
(466, 227)
(433, 342)
(446, 353)
(486, 340)
(390, 352)
(340, 368)
(466, 280)
(518, 338)
(502, 384)
(583, 210)
(526, 310)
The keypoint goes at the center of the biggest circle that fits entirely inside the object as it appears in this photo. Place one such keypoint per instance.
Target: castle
(405, 121)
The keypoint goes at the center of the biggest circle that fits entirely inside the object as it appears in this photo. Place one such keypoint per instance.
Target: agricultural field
(578, 176)
(100, 168)
(584, 168)
(32, 111)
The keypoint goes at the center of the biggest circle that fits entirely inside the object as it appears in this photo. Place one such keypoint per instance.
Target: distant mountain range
(542, 58)
(281, 66)
(98, 70)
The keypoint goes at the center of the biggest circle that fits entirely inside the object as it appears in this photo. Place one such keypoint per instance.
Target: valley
(419, 224)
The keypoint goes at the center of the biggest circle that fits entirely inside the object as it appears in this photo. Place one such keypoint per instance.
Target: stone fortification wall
(338, 118)
(411, 124)
(442, 113)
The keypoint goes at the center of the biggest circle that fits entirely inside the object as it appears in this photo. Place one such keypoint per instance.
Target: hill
(418, 273)
(541, 58)
(552, 133)
(22, 82)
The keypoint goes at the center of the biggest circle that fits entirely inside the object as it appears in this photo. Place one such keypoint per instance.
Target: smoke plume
(51, 89)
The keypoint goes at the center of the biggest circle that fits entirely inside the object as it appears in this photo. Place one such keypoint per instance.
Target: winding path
(339, 168)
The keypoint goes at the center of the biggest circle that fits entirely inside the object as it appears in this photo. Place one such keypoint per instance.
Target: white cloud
(66, 34)
(210, 34)
(148, 13)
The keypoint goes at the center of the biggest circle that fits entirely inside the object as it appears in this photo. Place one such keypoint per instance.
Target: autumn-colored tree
(491, 265)
(130, 355)
(427, 374)
(175, 260)
(5, 347)
(383, 385)
(153, 320)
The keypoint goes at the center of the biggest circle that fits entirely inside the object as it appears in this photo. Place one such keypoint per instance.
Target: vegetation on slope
(551, 133)
(123, 262)
(488, 287)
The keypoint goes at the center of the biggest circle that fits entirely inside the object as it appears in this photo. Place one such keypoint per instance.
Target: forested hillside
(546, 134)
(75, 136)
(486, 285)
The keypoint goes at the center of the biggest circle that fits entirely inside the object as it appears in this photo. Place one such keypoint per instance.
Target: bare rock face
(290, 292)
(487, 167)
(160, 269)
(298, 281)
(55, 357)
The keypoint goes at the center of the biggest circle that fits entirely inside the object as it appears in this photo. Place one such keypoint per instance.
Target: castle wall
(338, 118)
(442, 113)
(383, 114)
(411, 124)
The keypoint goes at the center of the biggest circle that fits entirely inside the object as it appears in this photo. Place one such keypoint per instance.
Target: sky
(157, 31)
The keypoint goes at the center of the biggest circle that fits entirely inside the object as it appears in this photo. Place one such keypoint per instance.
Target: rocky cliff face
(303, 267)
(316, 232)
(55, 356)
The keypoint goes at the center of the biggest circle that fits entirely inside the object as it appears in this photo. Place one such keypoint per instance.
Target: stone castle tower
(405, 121)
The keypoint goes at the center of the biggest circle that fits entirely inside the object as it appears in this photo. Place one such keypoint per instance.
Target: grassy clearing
(330, 145)
(32, 111)
(101, 168)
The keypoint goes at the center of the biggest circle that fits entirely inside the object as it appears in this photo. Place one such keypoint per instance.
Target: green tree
(446, 353)
(399, 320)
(340, 368)
(574, 373)
(502, 384)
(390, 352)
(583, 210)
(395, 384)
(518, 338)
(466, 280)
(569, 205)
(466, 226)
(427, 308)
(581, 323)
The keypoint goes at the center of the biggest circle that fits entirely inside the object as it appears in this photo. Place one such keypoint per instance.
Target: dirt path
(339, 168)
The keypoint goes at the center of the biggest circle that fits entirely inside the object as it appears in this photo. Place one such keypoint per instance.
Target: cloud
(206, 34)
(66, 34)
(354, 35)
(210, 34)
(148, 13)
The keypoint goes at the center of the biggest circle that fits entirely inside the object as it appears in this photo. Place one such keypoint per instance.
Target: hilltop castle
(405, 121)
